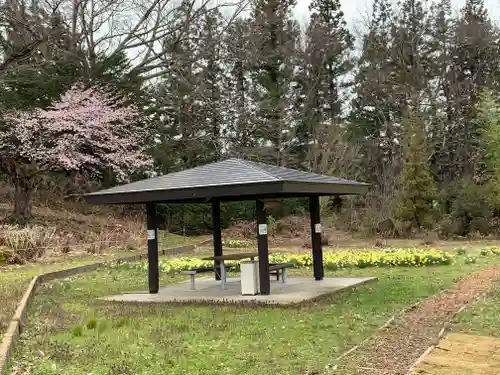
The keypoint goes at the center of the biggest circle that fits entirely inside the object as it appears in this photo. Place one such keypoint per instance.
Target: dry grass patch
(21, 245)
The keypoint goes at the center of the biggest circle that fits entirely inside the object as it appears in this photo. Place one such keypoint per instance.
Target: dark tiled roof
(227, 178)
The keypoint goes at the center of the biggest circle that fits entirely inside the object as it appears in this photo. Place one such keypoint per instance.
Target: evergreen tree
(36, 66)
(116, 71)
(374, 108)
(442, 98)
(476, 61)
(176, 108)
(416, 188)
(273, 44)
(240, 114)
(326, 61)
(488, 120)
(210, 86)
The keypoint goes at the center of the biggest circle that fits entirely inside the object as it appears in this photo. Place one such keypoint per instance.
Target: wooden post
(317, 250)
(217, 235)
(153, 272)
(265, 287)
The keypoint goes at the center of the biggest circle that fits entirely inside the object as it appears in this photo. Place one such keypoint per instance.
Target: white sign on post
(262, 229)
(151, 234)
(317, 228)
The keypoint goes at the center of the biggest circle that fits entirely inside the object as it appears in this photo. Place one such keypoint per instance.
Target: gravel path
(396, 348)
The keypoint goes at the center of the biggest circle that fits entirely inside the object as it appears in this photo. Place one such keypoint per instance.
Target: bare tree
(334, 153)
(106, 28)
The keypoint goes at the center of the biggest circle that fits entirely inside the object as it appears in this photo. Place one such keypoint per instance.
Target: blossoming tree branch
(86, 130)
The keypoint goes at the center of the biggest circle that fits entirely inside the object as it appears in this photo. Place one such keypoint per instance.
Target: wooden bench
(194, 271)
(275, 268)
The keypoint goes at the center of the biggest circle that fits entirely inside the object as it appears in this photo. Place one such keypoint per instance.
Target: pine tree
(416, 187)
(374, 107)
(476, 60)
(240, 118)
(326, 61)
(36, 66)
(488, 120)
(176, 107)
(210, 86)
(442, 97)
(273, 44)
(410, 55)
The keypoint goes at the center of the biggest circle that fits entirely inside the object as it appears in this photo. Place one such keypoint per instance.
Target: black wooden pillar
(265, 287)
(217, 236)
(153, 274)
(317, 250)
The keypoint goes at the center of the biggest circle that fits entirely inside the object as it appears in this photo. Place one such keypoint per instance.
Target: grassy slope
(15, 279)
(482, 318)
(138, 339)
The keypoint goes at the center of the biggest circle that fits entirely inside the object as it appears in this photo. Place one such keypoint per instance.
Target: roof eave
(188, 194)
(325, 189)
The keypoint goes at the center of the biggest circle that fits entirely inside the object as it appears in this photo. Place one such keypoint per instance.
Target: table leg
(222, 274)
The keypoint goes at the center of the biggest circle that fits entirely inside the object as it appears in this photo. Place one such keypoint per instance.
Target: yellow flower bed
(491, 250)
(331, 260)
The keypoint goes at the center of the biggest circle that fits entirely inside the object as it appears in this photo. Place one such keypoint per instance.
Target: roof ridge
(251, 164)
(315, 174)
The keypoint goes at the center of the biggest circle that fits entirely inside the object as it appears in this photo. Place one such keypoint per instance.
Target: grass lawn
(15, 279)
(482, 318)
(72, 333)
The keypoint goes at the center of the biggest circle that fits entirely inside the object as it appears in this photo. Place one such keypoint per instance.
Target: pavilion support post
(153, 272)
(317, 250)
(217, 236)
(263, 250)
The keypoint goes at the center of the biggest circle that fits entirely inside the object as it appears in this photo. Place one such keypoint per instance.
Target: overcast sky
(357, 11)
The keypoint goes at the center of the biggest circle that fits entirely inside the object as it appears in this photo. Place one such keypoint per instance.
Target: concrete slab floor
(295, 290)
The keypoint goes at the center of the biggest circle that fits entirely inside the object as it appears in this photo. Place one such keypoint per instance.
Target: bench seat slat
(280, 266)
(274, 269)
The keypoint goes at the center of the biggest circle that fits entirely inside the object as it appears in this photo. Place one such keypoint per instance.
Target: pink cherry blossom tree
(86, 130)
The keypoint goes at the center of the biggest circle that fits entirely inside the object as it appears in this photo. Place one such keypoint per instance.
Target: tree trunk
(22, 202)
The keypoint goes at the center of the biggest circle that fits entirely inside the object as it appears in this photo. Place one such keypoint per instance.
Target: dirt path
(395, 349)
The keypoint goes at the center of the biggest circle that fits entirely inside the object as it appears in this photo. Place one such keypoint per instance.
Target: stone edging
(14, 330)
(18, 321)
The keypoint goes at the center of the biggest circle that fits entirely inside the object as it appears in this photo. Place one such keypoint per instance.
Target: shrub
(481, 225)
(236, 243)
(490, 250)
(470, 201)
(470, 259)
(446, 226)
(91, 324)
(77, 331)
(22, 245)
(461, 251)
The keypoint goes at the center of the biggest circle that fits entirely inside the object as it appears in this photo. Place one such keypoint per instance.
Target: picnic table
(222, 258)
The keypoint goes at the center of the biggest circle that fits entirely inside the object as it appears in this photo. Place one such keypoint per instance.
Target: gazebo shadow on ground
(295, 290)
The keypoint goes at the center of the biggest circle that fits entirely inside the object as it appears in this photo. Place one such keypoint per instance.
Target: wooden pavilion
(231, 180)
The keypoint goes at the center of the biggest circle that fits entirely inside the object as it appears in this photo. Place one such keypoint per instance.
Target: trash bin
(249, 278)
